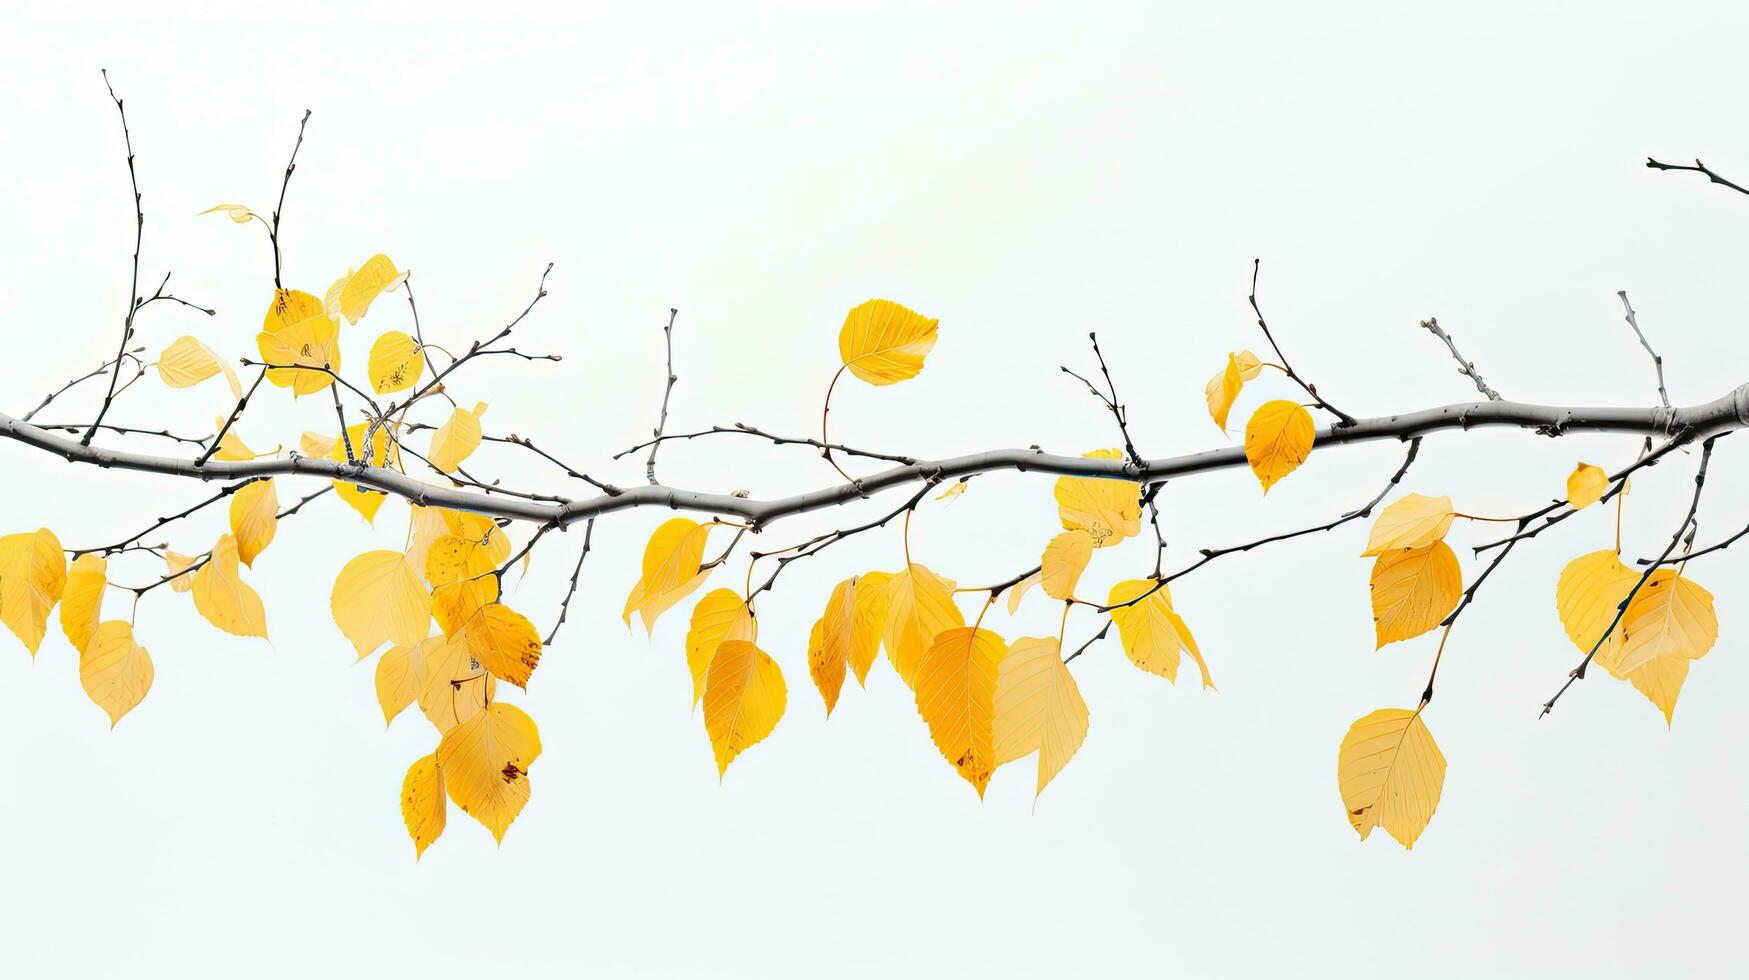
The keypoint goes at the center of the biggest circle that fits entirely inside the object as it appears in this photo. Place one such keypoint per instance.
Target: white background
(1026, 174)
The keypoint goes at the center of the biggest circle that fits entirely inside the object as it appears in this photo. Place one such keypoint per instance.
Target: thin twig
(1343, 417)
(667, 391)
(565, 606)
(1465, 367)
(273, 229)
(1699, 168)
(1657, 362)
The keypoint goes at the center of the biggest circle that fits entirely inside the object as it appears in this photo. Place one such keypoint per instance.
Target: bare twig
(1465, 367)
(740, 428)
(1343, 417)
(667, 391)
(1699, 168)
(1657, 362)
(278, 210)
(565, 606)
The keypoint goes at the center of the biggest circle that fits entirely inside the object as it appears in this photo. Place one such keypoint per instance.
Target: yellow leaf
(1152, 633)
(1064, 560)
(221, 595)
(254, 519)
(1413, 590)
(479, 529)
(1585, 487)
(231, 447)
(1038, 708)
(1415, 521)
(175, 565)
(1249, 365)
(456, 688)
(651, 606)
(869, 600)
(236, 212)
(378, 598)
(115, 671)
(1660, 680)
(956, 695)
(381, 452)
(1590, 590)
(950, 493)
(833, 642)
(316, 445)
(1020, 588)
(1390, 773)
(371, 280)
(462, 583)
(1222, 391)
(919, 606)
(188, 362)
(675, 551)
(456, 439)
(395, 362)
(744, 697)
(33, 573)
(504, 642)
(1669, 617)
(298, 332)
(826, 670)
(423, 807)
(719, 616)
(82, 599)
(331, 299)
(485, 764)
(402, 676)
(1277, 440)
(883, 343)
(1109, 510)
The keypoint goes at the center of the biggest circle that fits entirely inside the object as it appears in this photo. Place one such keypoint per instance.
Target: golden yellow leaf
(1064, 560)
(456, 439)
(651, 606)
(395, 362)
(221, 595)
(380, 452)
(919, 606)
(231, 447)
(720, 615)
(1660, 680)
(1415, 521)
(298, 332)
(1152, 632)
(833, 641)
(1038, 708)
(504, 642)
(826, 670)
(82, 599)
(460, 572)
(378, 598)
(1413, 590)
(316, 445)
(1109, 510)
(1390, 773)
(1020, 588)
(1586, 485)
(1590, 590)
(869, 599)
(485, 764)
(175, 565)
(479, 529)
(1670, 616)
(1277, 440)
(1249, 365)
(670, 569)
(1222, 391)
(375, 276)
(456, 688)
(33, 573)
(883, 343)
(402, 676)
(188, 362)
(423, 807)
(254, 519)
(115, 671)
(236, 212)
(956, 695)
(744, 697)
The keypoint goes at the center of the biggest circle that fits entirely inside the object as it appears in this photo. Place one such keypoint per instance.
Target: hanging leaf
(831, 641)
(374, 277)
(485, 762)
(1412, 522)
(456, 688)
(1670, 616)
(1152, 633)
(504, 642)
(115, 671)
(1390, 773)
(919, 606)
(1223, 390)
(744, 697)
(670, 569)
(395, 362)
(1585, 487)
(1413, 590)
(423, 807)
(298, 332)
(1277, 440)
(236, 212)
(827, 671)
(176, 567)
(33, 573)
(1020, 588)
(1038, 708)
(1065, 558)
(884, 343)
(378, 598)
(462, 581)
(721, 615)
(221, 595)
(188, 362)
(956, 695)
(871, 597)
(457, 438)
(82, 599)
(1591, 588)
(402, 675)
(254, 519)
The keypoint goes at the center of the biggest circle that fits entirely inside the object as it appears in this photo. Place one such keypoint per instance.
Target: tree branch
(1699, 168)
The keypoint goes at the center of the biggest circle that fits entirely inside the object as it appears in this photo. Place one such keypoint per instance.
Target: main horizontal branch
(1722, 414)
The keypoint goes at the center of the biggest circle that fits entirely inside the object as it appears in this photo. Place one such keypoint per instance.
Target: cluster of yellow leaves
(1279, 436)
(1668, 623)
(1416, 580)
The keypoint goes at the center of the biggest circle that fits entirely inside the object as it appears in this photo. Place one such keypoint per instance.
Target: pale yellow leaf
(455, 440)
(951, 492)
(1413, 590)
(188, 362)
(378, 598)
(1065, 558)
(1020, 588)
(1586, 485)
(331, 299)
(956, 696)
(456, 688)
(1038, 708)
(1109, 510)
(883, 343)
(380, 452)
(375, 276)
(221, 595)
(919, 606)
(1591, 589)
(1151, 631)
(1415, 521)
(423, 807)
(316, 445)
(485, 764)
(720, 615)
(236, 212)
(115, 671)
(1277, 440)
(1670, 616)
(82, 599)
(1390, 774)
(33, 573)
(395, 362)
(231, 447)
(402, 675)
(254, 519)
(744, 697)
(176, 565)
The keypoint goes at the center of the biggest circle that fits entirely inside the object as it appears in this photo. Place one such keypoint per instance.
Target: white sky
(1027, 175)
